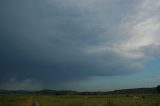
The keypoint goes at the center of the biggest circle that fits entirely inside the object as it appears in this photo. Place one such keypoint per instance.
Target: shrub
(158, 88)
(143, 96)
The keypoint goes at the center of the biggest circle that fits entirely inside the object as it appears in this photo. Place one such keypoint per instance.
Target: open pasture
(81, 100)
(15, 100)
(100, 100)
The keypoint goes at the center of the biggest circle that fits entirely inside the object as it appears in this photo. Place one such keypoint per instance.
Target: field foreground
(80, 100)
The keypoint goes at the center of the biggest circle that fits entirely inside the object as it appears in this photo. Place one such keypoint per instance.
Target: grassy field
(102, 100)
(15, 100)
(79, 100)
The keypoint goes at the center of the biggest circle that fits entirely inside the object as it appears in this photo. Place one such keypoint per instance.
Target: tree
(158, 88)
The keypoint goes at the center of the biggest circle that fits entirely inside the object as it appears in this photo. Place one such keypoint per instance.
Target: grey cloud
(47, 40)
(28, 84)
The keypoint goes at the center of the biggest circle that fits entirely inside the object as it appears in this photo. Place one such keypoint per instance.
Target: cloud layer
(55, 42)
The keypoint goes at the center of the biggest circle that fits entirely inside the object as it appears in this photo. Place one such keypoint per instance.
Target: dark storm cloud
(54, 41)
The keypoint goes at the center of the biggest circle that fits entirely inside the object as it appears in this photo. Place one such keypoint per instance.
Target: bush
(143, 96)
(158, 88)
(127, 95)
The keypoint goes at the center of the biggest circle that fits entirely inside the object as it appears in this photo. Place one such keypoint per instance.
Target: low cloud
(27, 84)
(56, 42)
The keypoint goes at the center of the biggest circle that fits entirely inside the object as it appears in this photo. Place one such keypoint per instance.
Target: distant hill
(136, 90)
(64, 92)
(2, 90)
(56, 92)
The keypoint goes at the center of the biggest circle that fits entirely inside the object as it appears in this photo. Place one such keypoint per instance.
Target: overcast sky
(84, 45)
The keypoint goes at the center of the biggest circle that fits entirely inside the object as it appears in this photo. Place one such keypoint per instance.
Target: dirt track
(35, 103)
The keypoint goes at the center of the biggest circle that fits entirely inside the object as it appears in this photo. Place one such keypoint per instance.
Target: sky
(83, 45)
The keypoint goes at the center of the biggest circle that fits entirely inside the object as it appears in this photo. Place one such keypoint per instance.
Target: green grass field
(101, 100)
(79, 100)
(15, 100)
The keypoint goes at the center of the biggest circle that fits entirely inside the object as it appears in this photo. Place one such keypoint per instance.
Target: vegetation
(100, 100)
(80, 100)
(124, 97)
(158, 88)
(15, 100)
